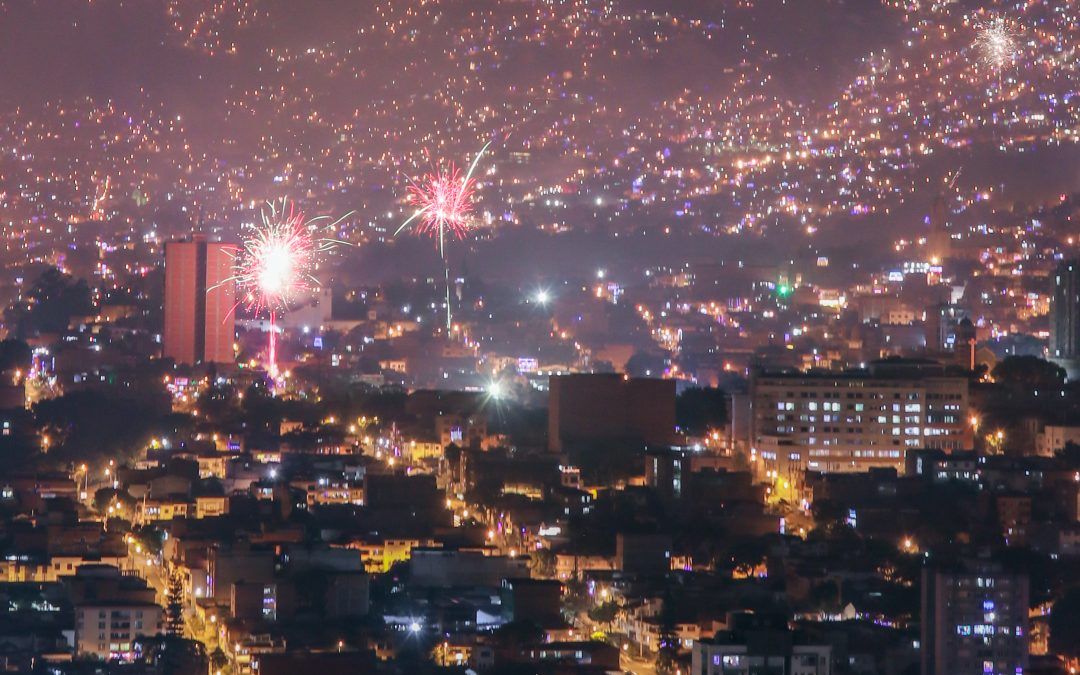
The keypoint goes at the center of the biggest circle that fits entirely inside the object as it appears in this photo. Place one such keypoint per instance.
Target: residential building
(108, 630)
(974, 620)
(609, 408)
(199, 301)
(760, 644)
(852, 422)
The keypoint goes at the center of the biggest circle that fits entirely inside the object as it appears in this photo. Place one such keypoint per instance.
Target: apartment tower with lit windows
(855, 421)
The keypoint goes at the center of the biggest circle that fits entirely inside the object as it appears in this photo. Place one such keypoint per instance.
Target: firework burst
(996, 43)
(277, 262)
(443, 202)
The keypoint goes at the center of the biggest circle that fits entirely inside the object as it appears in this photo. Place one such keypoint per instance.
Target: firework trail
(443, 202)
(276, 263)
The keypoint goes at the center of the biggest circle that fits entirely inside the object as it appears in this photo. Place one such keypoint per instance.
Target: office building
(199, 301)
(600, 409)
(853, 422)
(974, 620)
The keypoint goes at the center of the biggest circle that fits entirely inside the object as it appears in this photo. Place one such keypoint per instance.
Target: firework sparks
(277, 261)
(443, 202)
(444, 207)
(996, 43)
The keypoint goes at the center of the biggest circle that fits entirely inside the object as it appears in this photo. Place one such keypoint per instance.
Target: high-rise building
(974, 620)
(199, 299)
(608, 408)
(939, 241)
(1065, 313)
(856, 421)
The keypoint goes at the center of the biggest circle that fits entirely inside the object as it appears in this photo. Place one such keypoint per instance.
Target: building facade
(1065, 316)
(760, 645)
(974, 620)
(108, 630)
(609, 408)
(199, 301)
(1054, 438)
(853, 422)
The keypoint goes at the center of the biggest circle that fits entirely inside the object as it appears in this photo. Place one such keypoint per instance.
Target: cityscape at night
(540, 337)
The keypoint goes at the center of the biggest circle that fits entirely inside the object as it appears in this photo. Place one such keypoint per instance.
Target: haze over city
(540, 336)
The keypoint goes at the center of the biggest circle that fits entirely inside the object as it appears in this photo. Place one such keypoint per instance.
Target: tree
(14, 354)
(1065, 625)
(698, 410)
(106, 496)
(646, 364)
(1070, 453)
(746, 554)
(49, 304)
(1028, 373)
(218, 659)
(543, 563)
(515, 635)
(173, 655)
(826, 596)
(174, 606)
(577, 596)
(829, 515)
(116, 423)
(668, 646)
(604, 613)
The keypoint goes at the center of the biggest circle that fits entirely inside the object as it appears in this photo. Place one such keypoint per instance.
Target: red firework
(444, 203)
(276, 263)
(277, 260)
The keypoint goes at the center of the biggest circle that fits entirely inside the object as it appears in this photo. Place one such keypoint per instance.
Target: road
(632, 664)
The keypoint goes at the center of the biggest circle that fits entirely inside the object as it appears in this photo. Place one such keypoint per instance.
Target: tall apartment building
(974, 620)
(1065, 316)
(606, 408)
(199, 323)
(855, 421)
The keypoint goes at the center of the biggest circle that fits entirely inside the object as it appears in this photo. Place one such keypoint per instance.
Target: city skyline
(540, 337)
